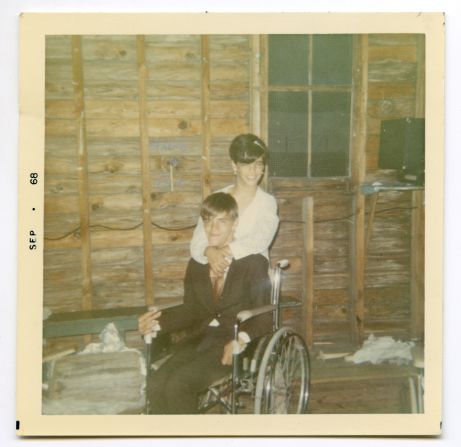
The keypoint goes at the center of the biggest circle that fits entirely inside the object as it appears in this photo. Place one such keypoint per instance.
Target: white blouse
(256, 228)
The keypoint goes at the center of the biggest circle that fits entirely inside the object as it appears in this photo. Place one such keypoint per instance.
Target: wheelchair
(271, 376)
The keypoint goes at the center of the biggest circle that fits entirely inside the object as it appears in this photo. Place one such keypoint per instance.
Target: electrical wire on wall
(189, 227)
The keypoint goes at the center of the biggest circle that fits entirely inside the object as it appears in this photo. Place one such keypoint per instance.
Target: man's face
(219, 229)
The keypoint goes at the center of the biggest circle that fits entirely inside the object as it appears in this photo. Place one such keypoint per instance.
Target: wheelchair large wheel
(282, 385)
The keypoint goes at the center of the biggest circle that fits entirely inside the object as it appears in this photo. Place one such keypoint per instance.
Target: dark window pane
(288, 134)
(332, 59)
(288, 59)
(330, 134)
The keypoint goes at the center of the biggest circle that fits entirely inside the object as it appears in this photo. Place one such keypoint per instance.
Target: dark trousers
(174, 388)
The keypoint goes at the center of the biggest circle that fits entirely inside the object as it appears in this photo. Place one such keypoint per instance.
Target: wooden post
(358, 146)
(308, 263)
(310, 65)
(77, 80)
(206, 130)
(417, 265)
(371, 218)
(255, 86)
(420, 77)
(145, 170)
(417, 215)
(264, 98)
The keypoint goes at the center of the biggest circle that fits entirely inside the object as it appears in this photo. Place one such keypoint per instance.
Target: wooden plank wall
(394, 71)
(133, 168)
(198, 96)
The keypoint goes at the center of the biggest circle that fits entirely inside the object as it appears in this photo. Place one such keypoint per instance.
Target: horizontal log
(167, 52)
(229, 89)
(69, 276)
(61, 298)
(306, 186)
(332, 281)
(229, 109)
(165, 127)
(338, 330)
(390, 90)
(324, 264)
(398, 328)
(228, 42)
(120, 275)
(387, 280)
(230, 71)
(61, 127)
(109, 48)
(64, 146)
(329, 297)
(124, 256)
(169, 89)
(124, 295)
(159, 70)
(99, 70)
(58, 72)
(153, 40)
(334, 313)
(385, 264)
(391, 70)
(58, 48)
(391, 108)
(407, 53)
(62, 259)
(61, 185)
(220, 127)
(119, 89)
(392, 39)
(58, 165)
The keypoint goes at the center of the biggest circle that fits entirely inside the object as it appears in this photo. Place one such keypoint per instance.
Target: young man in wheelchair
(211, 305)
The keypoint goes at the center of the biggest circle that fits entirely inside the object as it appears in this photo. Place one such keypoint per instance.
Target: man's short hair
(219, 202)
(247, 148)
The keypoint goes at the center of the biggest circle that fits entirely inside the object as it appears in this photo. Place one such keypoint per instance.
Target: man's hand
(148, 322)
(231, 347)
(227, 354)
(219, 259)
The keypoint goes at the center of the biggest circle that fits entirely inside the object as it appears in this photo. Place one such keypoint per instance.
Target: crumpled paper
(383, 349)
(112, 342)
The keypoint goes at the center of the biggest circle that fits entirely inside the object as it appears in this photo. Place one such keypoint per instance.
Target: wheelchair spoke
(283, 379)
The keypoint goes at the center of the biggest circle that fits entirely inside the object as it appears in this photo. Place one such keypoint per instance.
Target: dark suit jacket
(247, 286)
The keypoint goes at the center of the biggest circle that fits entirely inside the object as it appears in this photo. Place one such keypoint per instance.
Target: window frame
(310, 89)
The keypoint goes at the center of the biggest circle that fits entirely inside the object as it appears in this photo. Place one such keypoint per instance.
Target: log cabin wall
(137, 131)
(390, 302)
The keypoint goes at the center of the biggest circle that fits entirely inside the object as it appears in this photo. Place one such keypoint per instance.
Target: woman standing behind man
(258, 219)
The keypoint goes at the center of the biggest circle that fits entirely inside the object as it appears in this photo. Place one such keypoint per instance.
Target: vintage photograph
(234, 223)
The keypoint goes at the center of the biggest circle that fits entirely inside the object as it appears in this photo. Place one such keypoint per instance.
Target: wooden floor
(339, 387)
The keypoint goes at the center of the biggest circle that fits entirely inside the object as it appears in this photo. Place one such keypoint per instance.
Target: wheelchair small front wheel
(282, 386)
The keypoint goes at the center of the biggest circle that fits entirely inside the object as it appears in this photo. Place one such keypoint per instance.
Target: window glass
(288, 59)
(288, 134)
(310, 88)
(330, 134)
(332, 59)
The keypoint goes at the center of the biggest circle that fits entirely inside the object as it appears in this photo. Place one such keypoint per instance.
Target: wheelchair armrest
(245, 315)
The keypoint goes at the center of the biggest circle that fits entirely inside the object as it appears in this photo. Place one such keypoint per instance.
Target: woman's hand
(219, 259)
(148, 322)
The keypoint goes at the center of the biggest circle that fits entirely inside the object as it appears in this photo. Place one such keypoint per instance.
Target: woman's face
(249, 174)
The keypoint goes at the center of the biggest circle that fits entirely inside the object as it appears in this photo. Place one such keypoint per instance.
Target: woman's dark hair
(247, 148)
(219, 202)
